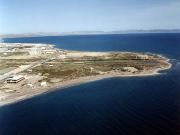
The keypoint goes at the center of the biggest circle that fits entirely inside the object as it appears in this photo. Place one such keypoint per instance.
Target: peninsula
(27, 70)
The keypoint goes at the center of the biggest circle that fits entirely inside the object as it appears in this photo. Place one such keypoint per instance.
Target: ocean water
(114, 106)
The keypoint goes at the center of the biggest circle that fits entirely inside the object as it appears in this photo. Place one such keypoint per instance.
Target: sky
(31, 16)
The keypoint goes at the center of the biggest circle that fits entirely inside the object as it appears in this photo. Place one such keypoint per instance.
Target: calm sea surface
(114, 106)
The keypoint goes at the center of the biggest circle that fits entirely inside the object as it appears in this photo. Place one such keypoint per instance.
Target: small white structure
(29, 70)
(15, 79)
(35, 51)
(91, 69)
(44, 84)
(51, 65)
(50, 51)
(62, 56)
(144, 57)
(30, 85)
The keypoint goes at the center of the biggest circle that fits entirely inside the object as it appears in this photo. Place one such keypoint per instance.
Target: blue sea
(113, 106)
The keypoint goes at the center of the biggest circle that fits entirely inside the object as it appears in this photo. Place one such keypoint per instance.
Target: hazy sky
(23, 16)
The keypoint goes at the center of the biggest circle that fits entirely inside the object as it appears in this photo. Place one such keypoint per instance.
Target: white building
(15, 79)
(35, 51)
(49, 51)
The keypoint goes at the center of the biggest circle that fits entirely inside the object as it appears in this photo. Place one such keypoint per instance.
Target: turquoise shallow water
(125, 106)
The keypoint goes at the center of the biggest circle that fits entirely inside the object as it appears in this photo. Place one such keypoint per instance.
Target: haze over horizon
(30, 16)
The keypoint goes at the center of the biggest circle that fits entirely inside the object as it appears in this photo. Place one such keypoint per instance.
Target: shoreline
(30, 93)
(79, 81)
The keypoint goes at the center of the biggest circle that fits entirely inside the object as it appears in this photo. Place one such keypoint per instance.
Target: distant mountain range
(89, 33)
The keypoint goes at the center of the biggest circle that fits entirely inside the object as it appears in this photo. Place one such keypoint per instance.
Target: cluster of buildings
(15, 79)
(32, 49)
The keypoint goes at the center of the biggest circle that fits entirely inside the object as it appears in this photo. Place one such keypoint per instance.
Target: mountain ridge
(39, 34)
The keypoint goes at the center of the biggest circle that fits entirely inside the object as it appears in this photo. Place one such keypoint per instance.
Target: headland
(27, 70)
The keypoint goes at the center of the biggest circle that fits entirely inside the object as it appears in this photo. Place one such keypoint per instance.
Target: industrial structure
(15, 79)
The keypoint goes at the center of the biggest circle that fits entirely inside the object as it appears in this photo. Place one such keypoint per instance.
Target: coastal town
(28, 69)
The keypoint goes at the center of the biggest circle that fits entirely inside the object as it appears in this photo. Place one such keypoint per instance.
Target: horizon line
(89, 32)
